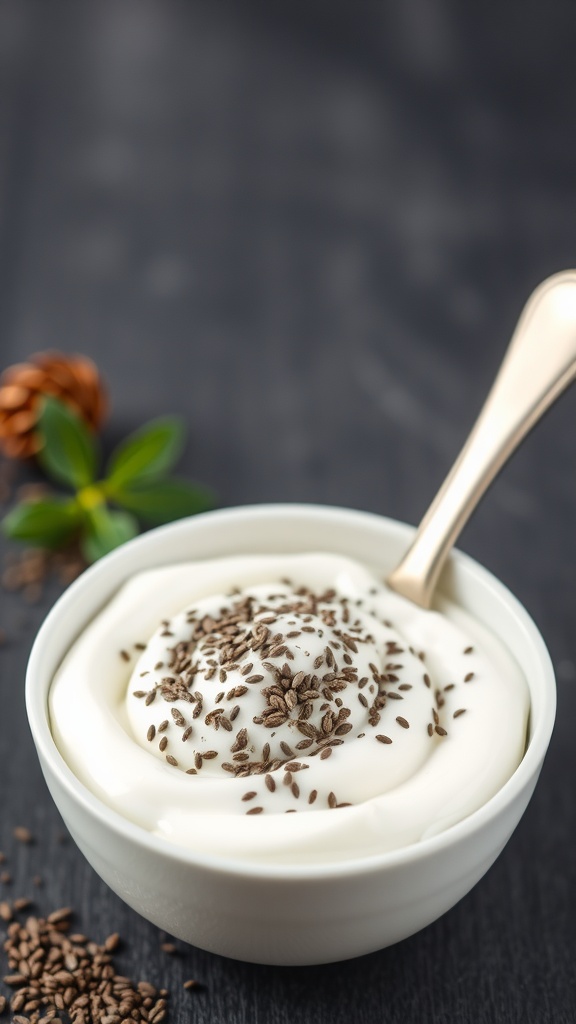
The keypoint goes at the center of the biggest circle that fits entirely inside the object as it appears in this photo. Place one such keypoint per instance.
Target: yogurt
(287, 708)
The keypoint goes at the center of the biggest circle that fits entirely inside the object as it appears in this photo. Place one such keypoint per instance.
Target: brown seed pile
(62, 977)
(29, 570)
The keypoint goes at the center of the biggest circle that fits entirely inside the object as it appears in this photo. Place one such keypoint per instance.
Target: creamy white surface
(401, 792)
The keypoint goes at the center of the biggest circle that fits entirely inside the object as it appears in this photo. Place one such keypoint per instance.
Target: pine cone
(73, 379)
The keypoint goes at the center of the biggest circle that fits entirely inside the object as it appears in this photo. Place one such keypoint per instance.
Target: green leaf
(146, 454)
(162, 501)
(70, 452)
(47, 523)
(106, 530)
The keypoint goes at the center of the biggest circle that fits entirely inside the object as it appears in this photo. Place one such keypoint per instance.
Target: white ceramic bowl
(296, 914)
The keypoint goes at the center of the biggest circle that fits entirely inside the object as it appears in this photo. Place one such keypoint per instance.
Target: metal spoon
(538, 366)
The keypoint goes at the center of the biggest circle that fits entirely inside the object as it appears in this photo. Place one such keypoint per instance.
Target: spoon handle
(538, 366)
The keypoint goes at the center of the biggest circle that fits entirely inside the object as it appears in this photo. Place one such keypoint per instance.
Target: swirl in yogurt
(287, 684)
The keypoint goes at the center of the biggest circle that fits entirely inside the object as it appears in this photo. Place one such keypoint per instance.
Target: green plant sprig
(136, 481)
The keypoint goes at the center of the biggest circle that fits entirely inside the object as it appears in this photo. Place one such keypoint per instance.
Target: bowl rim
(37, 688)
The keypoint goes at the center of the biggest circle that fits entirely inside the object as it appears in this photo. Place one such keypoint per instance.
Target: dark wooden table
(308, 229)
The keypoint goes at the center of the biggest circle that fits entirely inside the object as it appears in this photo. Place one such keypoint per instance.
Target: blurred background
(304, 207)
(280, 200)
(309, 228)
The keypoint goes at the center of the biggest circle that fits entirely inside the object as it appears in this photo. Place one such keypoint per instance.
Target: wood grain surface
(309, 230)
